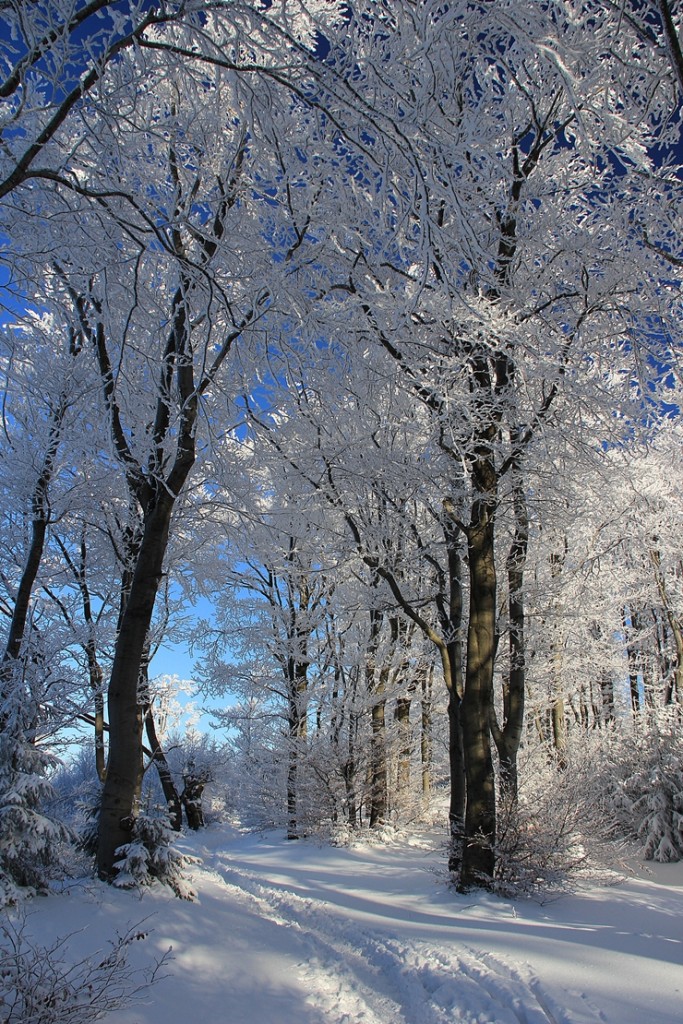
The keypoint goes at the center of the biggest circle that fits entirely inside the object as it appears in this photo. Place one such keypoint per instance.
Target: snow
(373, 934)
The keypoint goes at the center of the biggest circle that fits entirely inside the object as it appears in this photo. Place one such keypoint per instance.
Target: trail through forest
(372, 934)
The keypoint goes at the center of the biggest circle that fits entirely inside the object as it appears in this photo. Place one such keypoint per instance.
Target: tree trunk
(457, 779)
(96, 680)
(558, 718)
(663, 663)
(676, 689)
(298, 601)
(402, 716)
(168, 787)
(120, 794)
(153, 488)
(478, 860)
(296, 724)
(378, 769)
(17, 627)
(632, 626)
(191, 796)
(405, 678)
(426, 735)
(508, 738)
(455, 684)
(350, 772)
(39, 520)
(376, 686)
(559, 723)
(607, 692)
(95, 674)
(346, 758)
(292, 771)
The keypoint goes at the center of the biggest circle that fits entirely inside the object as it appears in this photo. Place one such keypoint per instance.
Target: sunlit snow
(297, 931)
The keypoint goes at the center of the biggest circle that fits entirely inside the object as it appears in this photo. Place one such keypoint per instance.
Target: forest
(340, 345)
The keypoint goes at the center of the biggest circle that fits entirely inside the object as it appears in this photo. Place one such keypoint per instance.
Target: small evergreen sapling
(31, 840)
(151, 855)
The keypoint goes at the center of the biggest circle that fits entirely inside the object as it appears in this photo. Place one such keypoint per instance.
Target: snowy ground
(296, 932)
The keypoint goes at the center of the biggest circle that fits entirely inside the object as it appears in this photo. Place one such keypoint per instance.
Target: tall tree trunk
(402, 716)
(478, 859)
(298, 636)
(154, 488)
(120, 794)
(376, 686)
(404, 678)
(96, 677)
(558, 716)
(509, 737)
(22, 602)
(607, 692)
(379, 788)
(163, 768)
(346, 757)
(426, 734)
(675, 625)
(95, 674)
(632, 626)
(350, 771)
(292, 772)
(455, 684)
(158, 757)
(559, 724)
(297, 726)
(39, 521)
(664, 665)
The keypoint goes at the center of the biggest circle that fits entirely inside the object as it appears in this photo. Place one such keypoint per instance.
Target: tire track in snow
(337, 981)
(357, 975)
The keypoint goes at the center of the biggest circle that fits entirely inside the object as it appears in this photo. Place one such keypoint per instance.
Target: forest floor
(285, 932)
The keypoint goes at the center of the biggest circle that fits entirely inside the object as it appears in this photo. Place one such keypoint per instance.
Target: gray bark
(478, 860)
(39, 523)
(426, 734)
(120, 794)
(509, 737)
(376, 679)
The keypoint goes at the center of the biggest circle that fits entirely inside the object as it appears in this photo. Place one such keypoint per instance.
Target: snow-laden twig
(43, 985)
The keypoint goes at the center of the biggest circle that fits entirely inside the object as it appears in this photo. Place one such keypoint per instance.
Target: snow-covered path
(295, 932)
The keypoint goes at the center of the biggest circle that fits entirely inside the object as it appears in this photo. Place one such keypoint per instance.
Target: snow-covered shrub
(644, 781)
(198, 757)
(555, 836)
(151, 855)
(32, 841)
(88, 808)
(41, 985)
